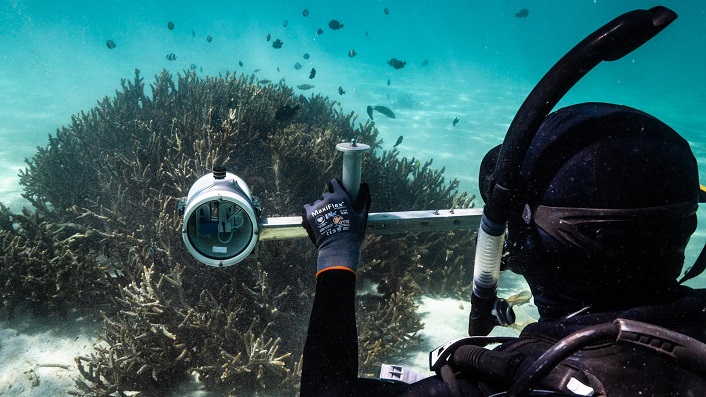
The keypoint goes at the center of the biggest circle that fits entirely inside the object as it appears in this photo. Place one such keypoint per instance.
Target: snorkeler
(602, 204)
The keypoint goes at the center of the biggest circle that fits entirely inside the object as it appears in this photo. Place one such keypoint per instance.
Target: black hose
(559, 352)
(496, 366)
(449, 378)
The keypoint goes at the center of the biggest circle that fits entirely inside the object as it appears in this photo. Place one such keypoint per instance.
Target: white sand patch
(38, 354)
(446, 319)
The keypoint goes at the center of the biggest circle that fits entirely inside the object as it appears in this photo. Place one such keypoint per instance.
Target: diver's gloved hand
(336, 227)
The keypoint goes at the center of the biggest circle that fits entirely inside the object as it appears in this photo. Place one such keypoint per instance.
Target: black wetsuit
(331, 350)
(330, 365)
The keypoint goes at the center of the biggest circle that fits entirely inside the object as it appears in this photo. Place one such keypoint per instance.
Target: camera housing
(220, 219)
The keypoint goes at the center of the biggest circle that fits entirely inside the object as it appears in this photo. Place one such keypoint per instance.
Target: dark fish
(277, 68)
(335, 25)
(286, 112)
(312, 74)
(455, 121)
(256, 70)
(209, 39)
(396, 63)
(425, 62)
(388, 82)
(298, 66)
(369, 109)
(193, 32)
(399, 140)
(240, 63)
(387, 112)
(305, 12)
(522, 13)
(305, 86)
(320, 31)
(264, 81)
(285, 23)
(171, 56)
(352, 53)
(277, 43)
(193, 66)
(170, 25)
(386, 11)
(110, 44)
(340, 90)
(268, 37)
(306, 56)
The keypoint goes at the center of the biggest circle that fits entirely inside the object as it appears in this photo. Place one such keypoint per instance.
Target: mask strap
(697, 268)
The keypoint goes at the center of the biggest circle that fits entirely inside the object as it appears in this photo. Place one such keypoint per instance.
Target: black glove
(336, 227)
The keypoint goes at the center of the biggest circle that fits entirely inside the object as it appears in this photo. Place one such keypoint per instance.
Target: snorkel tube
(611, 42)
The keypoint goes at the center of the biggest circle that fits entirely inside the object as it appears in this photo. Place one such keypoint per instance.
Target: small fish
(268, 37)
(286, 112)
(352, 53)
(425, 62)
(193, 66)
(340, 90)
(519, 298)
(305, 86)
(256, 70)
(170, 25)
(522, 13)
(110, 44)
(388, 82)
(171, 56)
(285, 23)
(277, 69)
(521, 326)
(396, 63)
(312, 74)
(399, 140)
(306, 56)
(387, 112)
(193, 32)
(320, 31)
(335, 25)
(277, 43)
(240, 63)
(209, 38)
(455, 121)
(305, 13)
(369, 109)
(298, 66)
(265, 81)
(386, 11)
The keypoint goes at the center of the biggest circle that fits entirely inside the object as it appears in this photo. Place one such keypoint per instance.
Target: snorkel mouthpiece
(614, 40)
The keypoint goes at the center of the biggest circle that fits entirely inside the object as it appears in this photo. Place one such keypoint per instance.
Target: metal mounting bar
(290, 227)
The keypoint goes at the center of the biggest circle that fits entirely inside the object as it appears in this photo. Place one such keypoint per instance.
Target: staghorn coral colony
(103, 236)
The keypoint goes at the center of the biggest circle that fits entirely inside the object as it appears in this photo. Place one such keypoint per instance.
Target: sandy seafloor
(482, 63)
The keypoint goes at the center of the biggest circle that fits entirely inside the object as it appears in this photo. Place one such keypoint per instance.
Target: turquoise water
(482, 62)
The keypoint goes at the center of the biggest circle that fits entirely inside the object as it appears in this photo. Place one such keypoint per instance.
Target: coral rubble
(103, 234)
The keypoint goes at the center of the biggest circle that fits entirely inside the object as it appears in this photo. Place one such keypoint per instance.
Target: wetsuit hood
(607, 206)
